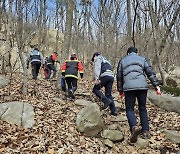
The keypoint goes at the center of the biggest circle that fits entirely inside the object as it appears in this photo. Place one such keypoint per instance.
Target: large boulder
(165, 101)
(3, 82)
(89, 120)
(18, 113)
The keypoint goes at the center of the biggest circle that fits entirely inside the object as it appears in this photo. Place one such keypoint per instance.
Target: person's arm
(97, 68)
(63, 69)
(80, 69)
(119, 77)
(152, 76)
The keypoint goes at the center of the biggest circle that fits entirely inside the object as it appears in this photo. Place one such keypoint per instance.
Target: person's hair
(132, 49)
(95, 54)
(73, 56)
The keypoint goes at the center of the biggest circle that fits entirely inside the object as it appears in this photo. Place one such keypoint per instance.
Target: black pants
(71, 83)
(106, 82)
(35, 69)
(130, 98)
(49, 68)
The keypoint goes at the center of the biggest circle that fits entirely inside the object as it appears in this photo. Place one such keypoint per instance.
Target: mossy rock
(171, 90)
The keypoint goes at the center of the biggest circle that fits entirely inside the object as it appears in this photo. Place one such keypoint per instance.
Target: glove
(158, 90)
(81, 74)
(63, 73)
(121, 94)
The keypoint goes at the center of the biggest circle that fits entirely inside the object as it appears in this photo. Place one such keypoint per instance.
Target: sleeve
(150, 73)
(80, 67)
(97, 68)
(120, 77)
(63, 69)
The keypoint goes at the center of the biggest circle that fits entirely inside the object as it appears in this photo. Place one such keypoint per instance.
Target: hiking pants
(130, 98)
(35, 69)
(71, 83)
(107, 82)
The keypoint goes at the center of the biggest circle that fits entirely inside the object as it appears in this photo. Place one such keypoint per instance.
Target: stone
(89, 120)
(108, 143)
(82, 102)
(173, 136)
(113, 135)
(141, 143)
(3, 82)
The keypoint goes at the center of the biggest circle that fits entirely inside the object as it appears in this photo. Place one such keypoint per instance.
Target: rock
(18, 113)
(165, 101)
(108, 143)
(113, 135)
(119, 118)
(3, 82)
(82, 102)
(113, 126)
(89, 120)
(172, 135)
(141, 143)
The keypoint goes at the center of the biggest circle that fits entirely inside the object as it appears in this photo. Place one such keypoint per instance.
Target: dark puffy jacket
(131, 73)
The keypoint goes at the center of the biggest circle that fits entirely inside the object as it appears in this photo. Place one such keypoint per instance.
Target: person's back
(134, 69)
(36, 59)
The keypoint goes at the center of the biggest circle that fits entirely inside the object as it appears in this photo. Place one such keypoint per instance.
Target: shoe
(114, 113)
(71, 94)
(146, 135)
(70, 99)
(134, 134)
(106, 105)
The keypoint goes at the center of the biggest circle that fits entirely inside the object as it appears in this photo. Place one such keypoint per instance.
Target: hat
(131, 49)
(95, 54)
(73, 56)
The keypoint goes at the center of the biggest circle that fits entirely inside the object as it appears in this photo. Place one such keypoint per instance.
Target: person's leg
(38, 65)
(69, 84)
(141, 97)
(99, 94)
(54, 71)
(48, 71)
(108, 90)
(130, 98)
(74, 84)
(34, 75)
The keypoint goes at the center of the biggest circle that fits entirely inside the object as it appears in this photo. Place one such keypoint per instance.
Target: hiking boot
(146, 135)
(106, 105)
(114, 113)
(134, 134)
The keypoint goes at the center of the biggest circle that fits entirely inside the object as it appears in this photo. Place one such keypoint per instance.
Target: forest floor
(55, 128)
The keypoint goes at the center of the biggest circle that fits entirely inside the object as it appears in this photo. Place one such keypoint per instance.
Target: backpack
(105, 65)
(35, 55)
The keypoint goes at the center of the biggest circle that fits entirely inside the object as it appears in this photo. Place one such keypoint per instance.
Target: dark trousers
(35, 69)
(49, 68)
(71, 83)
(130, 97)
(106, 82)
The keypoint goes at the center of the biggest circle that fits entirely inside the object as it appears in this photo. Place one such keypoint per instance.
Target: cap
(95, 54)
(73, 56)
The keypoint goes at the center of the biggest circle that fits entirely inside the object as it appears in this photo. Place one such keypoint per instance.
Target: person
(104, 77)
(50, 65)
(36, 59)
(70, 69)
(131, 82)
